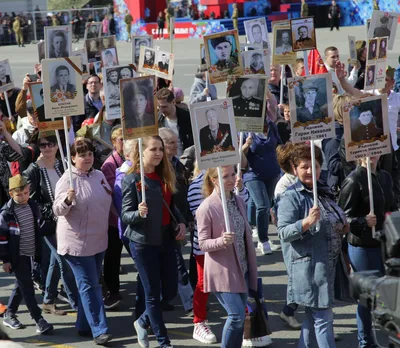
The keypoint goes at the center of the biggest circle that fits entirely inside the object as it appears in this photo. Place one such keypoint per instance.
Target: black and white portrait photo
(109, 57)
(92, 30)
(384, 24)
(149, 59)
(303, 34)
(366, 127)
(282, 50)
(41, 50)
(62, 87)
(111, 77)
(223, 56)
(58, 41)
(370, 75)
(382, 48)
(256, 62)
(139, 117)
(311, 108)
(283, 41)
(163, 63)
(214, 131)
(156, 62)
(93, 50)
(107, 42)
(366, 121)
(257, 32)
(137, 42)
(372, 49)
(6, 80)
(81, 53)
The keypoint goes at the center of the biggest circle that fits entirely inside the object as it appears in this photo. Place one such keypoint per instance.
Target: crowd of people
(52, 228)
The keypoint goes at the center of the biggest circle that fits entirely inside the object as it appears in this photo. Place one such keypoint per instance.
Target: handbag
(256, 323)
(342, 283)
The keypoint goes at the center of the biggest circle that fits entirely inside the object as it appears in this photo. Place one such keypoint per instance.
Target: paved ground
(271, 268)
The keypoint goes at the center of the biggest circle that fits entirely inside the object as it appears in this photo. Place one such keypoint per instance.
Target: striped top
(26, 222)
(195, 198)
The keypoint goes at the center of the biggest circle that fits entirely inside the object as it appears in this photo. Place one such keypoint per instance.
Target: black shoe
(190, 313)
(43, 327)
(112, 301)
(102, 339)
(85, 334)
(166, 307)
(62, 296)
(12, 322)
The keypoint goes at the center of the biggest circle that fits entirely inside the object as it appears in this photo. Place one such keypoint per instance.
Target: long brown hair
(164, 169)
(208, 186)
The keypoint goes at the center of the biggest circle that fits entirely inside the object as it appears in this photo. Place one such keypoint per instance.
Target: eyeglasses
(44, 145)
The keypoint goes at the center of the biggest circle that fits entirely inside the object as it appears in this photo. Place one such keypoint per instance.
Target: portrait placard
(257, 32)
(41, 50)
(375, 70)
(155, 62)
(352, 50)
(214, 132)
(111, 78)
(303, 34)
(6, 79)
(256, 62)
(366, 127)
(109, 57)
(36, 92)
(249, 102)
(311, 109)
(282, 50)
(384, 24)
(283, 23)
(84, 64)
(62, 87)
(203, 64)
(137, 42)
(94, 49)
(138, 104)
(223, 56)
(92, 30)
(58, 41)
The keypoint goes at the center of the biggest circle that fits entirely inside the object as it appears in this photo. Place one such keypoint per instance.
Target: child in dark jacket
(20, 221)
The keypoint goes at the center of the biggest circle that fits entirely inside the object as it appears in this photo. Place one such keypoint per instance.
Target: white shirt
(173, 125)
(352, 79)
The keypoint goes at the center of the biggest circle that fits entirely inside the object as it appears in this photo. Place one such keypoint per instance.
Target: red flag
(315, 63)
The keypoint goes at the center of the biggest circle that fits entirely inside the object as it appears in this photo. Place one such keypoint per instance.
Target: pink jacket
(82, 228)
(222, 272)
(105, 26)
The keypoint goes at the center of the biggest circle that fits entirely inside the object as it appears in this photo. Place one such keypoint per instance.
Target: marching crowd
(52, 229)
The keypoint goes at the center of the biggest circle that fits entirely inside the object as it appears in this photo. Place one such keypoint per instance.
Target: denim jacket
(309, 256)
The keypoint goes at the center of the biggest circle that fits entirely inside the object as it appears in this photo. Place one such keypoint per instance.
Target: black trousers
(335, 22)
(112, 261)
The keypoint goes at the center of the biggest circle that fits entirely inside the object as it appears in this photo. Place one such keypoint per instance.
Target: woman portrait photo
(58, 44)
(382, 48)
(149, 58)
(92, 49)
(126, 73)
(136, 44)
(138, 104)
(370, 76)
(223, 52)
(372, 49)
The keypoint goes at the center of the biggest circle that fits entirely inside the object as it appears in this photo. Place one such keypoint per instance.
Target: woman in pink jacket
(230, 267)
(105, 25)
(82, 235)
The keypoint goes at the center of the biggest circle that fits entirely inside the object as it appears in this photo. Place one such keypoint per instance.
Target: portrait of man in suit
(283, 44)
(163, 64)
(63, 82)
(216, 136)
(311, 109)
(4, 77)
(303, 40)
(58, 45)
(257, 36)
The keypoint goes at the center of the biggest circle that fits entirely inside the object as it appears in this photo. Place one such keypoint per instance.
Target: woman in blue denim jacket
(310, 254)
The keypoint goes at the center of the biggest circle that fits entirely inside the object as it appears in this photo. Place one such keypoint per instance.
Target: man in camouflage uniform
(17, 28)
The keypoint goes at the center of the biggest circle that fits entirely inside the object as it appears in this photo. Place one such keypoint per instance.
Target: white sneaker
(265, 248)
(255, 233)
(290, 320)
(202, 333)
(275, 247)
(264, 341)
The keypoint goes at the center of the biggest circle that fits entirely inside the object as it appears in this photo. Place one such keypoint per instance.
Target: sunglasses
(44, 145)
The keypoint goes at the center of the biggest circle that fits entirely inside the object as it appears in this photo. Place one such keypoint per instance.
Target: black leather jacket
(40, 188)
(149, 230)
(354, 200)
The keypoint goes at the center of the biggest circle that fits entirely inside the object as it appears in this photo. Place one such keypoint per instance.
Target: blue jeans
(24, 289)
(157, 270)
(364, 259)
(91, 313)
(66, 276)
(235, 305)
(317, 325)
(261, 194)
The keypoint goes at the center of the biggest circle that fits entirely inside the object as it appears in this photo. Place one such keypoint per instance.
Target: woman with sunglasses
(43, 176)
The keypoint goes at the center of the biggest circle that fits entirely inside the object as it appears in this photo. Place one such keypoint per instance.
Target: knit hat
(17, 181)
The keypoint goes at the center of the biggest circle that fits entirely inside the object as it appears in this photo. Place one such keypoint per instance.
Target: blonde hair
(208, 186)
(129, 147)
(116, 133)
(164, 169)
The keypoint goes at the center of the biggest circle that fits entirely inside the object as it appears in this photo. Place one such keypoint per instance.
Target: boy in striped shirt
(19, 245)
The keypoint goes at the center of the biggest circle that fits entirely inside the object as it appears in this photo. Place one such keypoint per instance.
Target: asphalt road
(271, 268)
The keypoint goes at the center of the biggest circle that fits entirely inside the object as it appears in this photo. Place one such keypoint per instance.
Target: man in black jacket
(175, 118)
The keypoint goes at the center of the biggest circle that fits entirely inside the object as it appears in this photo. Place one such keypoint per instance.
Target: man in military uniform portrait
(215, 137)
(311, 110)
(383, 29)
(247, 104)
(303, 41)
(257, 64)
(256, 33)
(223, 49)
(365, 128)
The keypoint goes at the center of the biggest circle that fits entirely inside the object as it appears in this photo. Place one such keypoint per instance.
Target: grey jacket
(149, 230)
(309, 256)
(196, 92)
